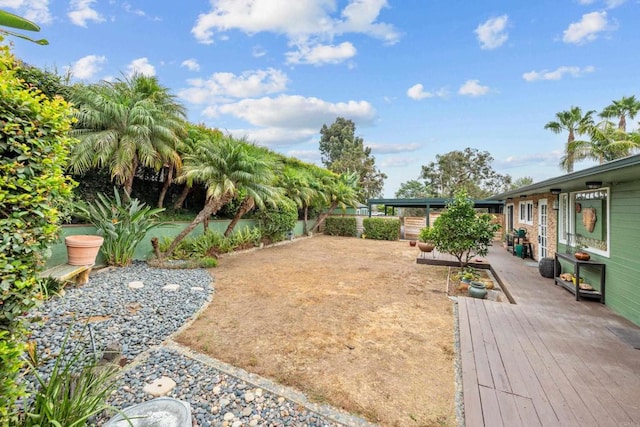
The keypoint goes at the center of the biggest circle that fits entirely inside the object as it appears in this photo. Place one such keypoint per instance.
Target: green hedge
(341, 226)
(381, 228)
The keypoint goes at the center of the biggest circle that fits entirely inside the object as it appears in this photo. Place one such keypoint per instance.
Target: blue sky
(418, 77)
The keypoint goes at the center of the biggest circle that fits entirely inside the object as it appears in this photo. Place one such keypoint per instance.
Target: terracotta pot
(83, 249)
(582, 256)
(426, 246)
(412, 243)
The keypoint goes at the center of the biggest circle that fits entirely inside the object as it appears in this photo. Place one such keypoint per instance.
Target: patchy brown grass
(354, 323)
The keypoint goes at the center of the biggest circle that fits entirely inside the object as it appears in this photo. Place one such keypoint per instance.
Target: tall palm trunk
(128, 184)
(324, 215)
(570, 152)
(165, 186)
(183, 196)
(306, 220)
(247, 204)
(211, 207)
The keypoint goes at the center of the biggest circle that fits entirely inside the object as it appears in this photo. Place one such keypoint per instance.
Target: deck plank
(471, 392)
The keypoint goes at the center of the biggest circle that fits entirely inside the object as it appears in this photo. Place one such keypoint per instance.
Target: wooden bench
(66, 272)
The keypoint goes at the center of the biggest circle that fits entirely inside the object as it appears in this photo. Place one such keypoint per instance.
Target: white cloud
(417, 92)
(309, 156)
(248, 84)
(587, 29)
(394, 148)
(558, 73)
(321, 54)
(612, 4)
(258, 52)
(81, 12)
(297, 112)
(397, 162)
(299, 21)
(542, 159)
(491, 34)
(87, 67)
(141, 66)
(473, 88)
(277, 136)
(191, 64)
(33, 10)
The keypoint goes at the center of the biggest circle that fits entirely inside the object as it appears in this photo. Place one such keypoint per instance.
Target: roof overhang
(429, 203)
(614, 172)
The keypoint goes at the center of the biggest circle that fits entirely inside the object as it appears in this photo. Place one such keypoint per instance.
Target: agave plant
(122, 221)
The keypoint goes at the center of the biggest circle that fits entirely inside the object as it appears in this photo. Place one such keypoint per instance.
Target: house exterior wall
(623, 266)
(533, 228)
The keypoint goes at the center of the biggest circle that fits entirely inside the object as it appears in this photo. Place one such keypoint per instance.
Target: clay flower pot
(83, 249)
(426, 246)
(582, 256)
(412, 243)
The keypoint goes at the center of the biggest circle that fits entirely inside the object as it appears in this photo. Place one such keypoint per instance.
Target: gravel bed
(107, 311)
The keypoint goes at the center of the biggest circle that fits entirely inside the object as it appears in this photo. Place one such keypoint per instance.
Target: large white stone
(171, 287)
(159, 387)
(136, 285)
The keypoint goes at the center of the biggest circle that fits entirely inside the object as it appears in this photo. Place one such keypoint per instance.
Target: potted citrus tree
(425, 239)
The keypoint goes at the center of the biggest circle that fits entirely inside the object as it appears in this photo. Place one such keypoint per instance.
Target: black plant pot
(545, 267)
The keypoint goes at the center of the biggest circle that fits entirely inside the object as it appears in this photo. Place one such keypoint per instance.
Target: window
(563, 218)
(525, 210)
(583, 220)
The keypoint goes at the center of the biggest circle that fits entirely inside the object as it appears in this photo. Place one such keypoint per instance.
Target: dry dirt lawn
(354, 323)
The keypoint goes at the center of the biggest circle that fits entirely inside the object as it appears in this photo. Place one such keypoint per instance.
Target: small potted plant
(580, 254)
(425, 239)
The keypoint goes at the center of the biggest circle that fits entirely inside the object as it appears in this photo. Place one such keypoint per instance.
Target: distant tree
(469, 170)
(574, 122)
(413, 189)
(521, 182)
(343, 152)
(627, 106)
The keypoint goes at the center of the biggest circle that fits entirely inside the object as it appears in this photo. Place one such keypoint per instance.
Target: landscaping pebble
(139, 321)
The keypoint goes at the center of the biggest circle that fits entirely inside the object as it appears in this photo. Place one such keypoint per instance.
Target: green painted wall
(623, 265)
(144, 249)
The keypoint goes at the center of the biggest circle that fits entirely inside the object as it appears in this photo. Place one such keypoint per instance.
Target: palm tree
(224, 165)
(607, 143)
(297, 183)
(576, 124)
(628, 106)
(125, 124)
(258, 198)
(343, 192)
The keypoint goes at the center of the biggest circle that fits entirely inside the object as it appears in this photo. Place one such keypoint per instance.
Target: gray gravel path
(139, 308)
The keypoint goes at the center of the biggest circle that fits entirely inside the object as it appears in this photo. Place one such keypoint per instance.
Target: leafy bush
(277, 222)
(461, 232)
(122, 223)
(211, 243)
(381, 228)
(34, 195)
(341, 226)
(75, 391)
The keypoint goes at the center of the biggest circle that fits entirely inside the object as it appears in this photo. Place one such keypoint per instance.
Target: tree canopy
(469, 170)
(343, 152)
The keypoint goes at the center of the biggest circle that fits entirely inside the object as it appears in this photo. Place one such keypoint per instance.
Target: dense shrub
(34, 195)
(382, 228)
(276, 222)
(341, 226)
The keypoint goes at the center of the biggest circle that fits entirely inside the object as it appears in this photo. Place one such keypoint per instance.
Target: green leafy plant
(341, 226)
(75, 391)
(462, 232)
(426, 234)
(14, 21)
(34, 193)
(381, 228)
(276, 222)
(123, 222)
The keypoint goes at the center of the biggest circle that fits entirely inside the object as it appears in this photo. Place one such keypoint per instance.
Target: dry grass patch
(354, 323)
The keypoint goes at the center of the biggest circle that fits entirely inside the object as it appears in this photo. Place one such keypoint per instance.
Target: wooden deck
(547, 360)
